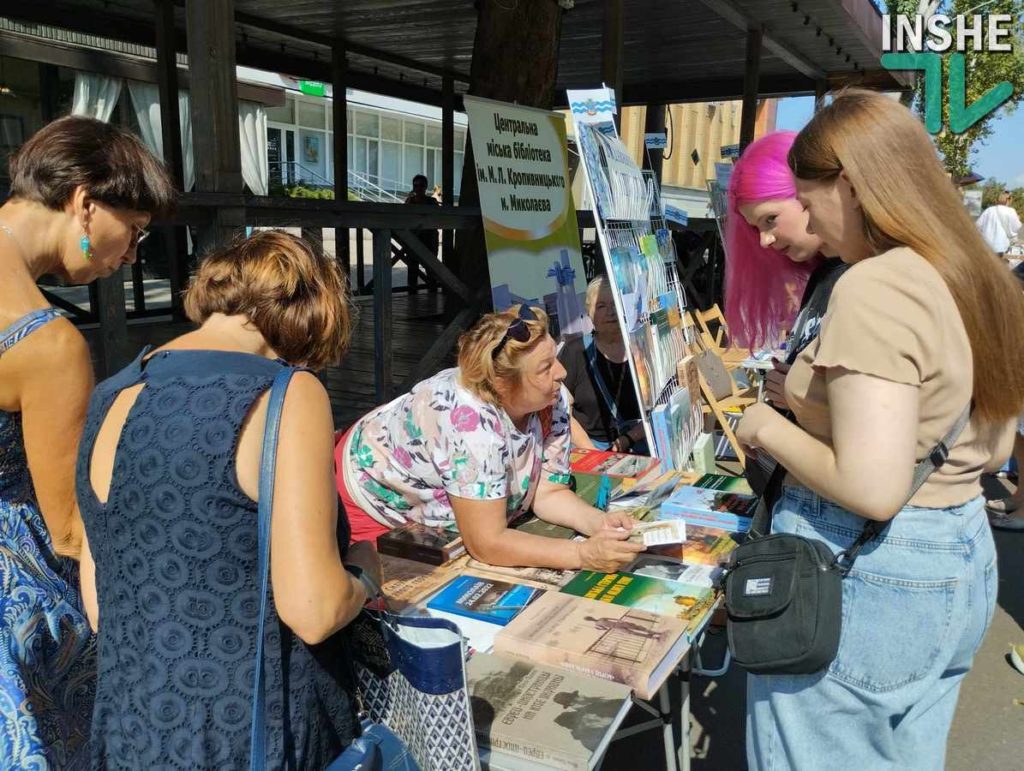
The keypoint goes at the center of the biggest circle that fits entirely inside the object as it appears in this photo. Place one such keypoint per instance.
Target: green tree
(990, 191)
(984, 70)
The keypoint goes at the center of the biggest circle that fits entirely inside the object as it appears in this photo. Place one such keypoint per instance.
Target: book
(612, 642)
(485, 599)
(610, 464)
(724, 482)
(407, 582)
(538, 526)
(688, 376)
(538, 578)
(672, 570)
(662, 434)
(708, 506)
(704, 454)
(686, 602)
(543, 715)
(659, 532)
(433, 545)
(703, 546)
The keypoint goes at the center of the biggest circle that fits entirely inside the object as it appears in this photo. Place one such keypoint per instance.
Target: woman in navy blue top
(168, 480)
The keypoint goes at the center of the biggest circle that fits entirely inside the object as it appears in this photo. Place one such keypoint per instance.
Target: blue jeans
(915, 609)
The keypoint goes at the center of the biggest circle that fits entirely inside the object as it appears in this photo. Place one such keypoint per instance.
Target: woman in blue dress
(82, 194)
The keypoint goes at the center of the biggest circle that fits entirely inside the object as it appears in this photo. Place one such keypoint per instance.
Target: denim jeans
(916, 606)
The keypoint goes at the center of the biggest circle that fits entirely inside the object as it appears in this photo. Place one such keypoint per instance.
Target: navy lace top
(176, 574)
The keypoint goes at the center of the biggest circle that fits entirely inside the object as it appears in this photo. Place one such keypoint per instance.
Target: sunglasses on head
(138, 236)
(517, 329)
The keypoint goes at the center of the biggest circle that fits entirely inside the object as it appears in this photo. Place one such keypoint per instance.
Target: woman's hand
(607, 551)
(775, 384)
(755, 417)
(616, 521)
(362, 555)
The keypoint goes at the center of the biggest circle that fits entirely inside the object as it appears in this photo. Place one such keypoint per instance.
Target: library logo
(916, 42)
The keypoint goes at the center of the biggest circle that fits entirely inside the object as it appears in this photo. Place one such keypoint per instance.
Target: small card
(659, 533)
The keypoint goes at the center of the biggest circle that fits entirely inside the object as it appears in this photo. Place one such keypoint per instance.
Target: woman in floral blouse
(478, 446)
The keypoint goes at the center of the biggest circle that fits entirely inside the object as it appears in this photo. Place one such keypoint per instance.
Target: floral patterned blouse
(405, 458)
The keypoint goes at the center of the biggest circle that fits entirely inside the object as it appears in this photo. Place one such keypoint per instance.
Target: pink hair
(757, 303)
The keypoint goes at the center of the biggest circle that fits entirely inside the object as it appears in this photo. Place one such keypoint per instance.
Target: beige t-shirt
(892, 316)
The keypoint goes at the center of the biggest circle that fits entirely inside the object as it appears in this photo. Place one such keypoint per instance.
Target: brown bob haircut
(293, 294)
(907, 199)
(479, 371)
(112, 165)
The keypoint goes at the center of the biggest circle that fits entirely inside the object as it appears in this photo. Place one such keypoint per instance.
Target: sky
(1001, 156)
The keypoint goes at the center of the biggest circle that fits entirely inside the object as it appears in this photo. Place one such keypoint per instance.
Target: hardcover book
(671, 570)
(538, 578)
(538, 526)
(610, 464)
(612, 642)
(724, 482)
(433, 545)
(485, 599)
(543, 715)
(407, 582)
(685, 602)
(708, 506)
(703, 546)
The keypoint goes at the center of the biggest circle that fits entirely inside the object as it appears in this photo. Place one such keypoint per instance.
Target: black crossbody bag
(784, 593)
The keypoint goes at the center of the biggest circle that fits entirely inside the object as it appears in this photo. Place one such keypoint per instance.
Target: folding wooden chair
(719, 340)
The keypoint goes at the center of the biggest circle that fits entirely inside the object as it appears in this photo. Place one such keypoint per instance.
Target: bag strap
(924, 469)
(268, 460)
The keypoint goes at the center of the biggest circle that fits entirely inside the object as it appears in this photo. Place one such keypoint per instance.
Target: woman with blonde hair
(925, 323)
(169, 479)
(82, 195)
(476, 447)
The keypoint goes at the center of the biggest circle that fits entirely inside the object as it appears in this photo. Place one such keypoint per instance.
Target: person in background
(924, 324)
(169, 480)
(428, 237)
(1000, 225)
(605, 412)
(478, 446)
(82, 194)
(769, 251)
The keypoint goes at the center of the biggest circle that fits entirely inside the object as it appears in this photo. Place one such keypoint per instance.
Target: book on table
(408, 582)
(413, 541)
(539, 578)
(611, 464)
(704, 545)
(669, 569)
(686, 602)
(545, 716)
(613, 642)
(711, 507)
(484, 599)
(538, 526)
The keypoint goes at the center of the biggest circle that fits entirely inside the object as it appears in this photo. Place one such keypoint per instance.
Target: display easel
(640, 262)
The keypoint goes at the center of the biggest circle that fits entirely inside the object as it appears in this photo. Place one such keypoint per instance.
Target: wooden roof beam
(735, 16)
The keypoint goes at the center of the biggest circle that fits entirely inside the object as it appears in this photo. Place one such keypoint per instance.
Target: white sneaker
(1017, 657)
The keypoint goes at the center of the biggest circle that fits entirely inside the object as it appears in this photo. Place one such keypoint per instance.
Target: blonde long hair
(907, 199)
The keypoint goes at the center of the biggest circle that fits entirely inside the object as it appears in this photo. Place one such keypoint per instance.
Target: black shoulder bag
(784, 594)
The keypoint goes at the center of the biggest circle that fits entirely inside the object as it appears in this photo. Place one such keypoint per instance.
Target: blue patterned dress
(47, 651)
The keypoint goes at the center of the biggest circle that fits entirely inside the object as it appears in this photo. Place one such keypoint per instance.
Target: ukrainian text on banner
(533, 247)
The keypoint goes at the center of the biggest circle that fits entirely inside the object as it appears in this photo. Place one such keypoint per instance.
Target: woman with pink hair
(771, 257)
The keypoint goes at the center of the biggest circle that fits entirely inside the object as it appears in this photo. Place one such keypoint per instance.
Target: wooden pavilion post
(751, 75)
(447, 162)
(211, 55)
(611, 50)
(339, 107)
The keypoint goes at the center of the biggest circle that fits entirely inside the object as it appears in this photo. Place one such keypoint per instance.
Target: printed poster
(533, 247)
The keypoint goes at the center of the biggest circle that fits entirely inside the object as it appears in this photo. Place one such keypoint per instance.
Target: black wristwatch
(372, 590)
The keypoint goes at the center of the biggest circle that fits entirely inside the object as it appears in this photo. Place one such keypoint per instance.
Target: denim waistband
(915, 527)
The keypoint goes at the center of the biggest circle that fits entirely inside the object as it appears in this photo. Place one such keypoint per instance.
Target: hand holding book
(607, 551)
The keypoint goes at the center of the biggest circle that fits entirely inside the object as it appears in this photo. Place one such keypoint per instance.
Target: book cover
(703, 546)
(407, 582)
(685, 602)
(671, 570)
(611, 464)
(484, 599)
(541, 714)
(662, 434)
(724, 482)
(538, 578)
(433, 545)
(538, 526)
(629, 646)
(689, 377)
(708, 506)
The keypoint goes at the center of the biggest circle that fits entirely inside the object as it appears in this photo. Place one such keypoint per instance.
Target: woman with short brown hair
(168, 480)
(476, 447)
(924, 324)
(82, 194)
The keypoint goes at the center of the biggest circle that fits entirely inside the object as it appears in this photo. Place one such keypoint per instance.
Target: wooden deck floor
(416, 324)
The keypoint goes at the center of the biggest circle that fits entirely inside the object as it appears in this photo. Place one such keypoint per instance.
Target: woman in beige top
(925, 321)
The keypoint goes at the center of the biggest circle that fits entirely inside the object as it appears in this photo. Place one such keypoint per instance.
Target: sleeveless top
(47, 650)
(176, 575)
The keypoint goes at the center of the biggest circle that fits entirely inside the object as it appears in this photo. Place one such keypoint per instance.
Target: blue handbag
(378, 748)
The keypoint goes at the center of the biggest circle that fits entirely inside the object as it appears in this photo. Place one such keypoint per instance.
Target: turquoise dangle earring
(86, 245)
